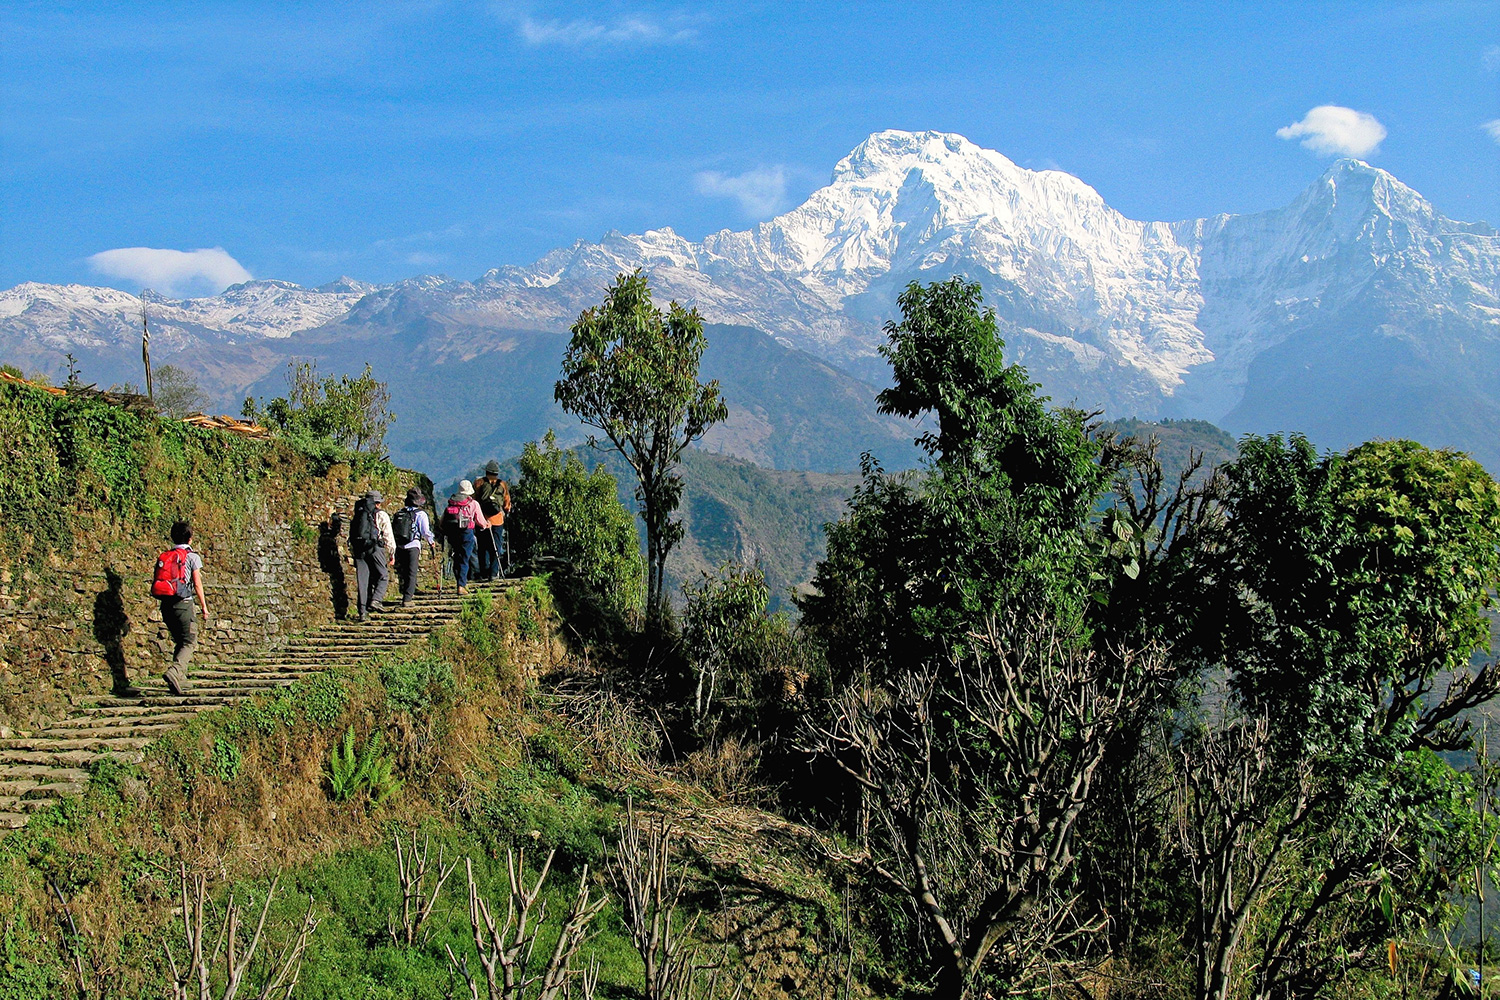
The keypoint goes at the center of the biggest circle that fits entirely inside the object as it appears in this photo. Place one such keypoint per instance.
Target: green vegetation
(632, 374)
(332, 415)
(355, 771)
(62, 457)
(563, 511)
(1063, 714)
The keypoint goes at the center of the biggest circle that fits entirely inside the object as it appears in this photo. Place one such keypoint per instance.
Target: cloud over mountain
(761, 192)
(175, 273)
(1331, 130)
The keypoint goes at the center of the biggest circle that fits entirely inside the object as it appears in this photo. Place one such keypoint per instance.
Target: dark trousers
(489, 542)
(462, 544)
(408, 562)
(181, 617)
(372, 575)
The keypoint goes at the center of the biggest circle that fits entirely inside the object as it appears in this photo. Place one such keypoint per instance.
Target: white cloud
(761, 192)
(1492, 129)
(176, 273)
(633, 30)
(1330, 130)
(1491, 59)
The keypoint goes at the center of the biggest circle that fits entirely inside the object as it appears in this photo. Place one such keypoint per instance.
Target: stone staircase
(37, 769)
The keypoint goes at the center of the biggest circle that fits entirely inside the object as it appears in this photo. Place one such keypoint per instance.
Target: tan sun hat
(465, 488)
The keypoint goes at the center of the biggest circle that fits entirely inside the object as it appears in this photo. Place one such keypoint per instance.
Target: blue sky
(386, 140)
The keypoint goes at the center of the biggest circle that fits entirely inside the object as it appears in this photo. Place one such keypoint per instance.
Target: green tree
(176, 391)
(744, 660)
(1345, 597)
(632, 373)
(347, 411)
(970, 702)
(562, 510)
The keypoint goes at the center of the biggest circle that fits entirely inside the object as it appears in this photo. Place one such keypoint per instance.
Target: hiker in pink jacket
(460, 520)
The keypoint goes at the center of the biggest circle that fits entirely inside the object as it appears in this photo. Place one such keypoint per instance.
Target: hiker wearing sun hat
(461, 519)
(412, 529)
(493, 496)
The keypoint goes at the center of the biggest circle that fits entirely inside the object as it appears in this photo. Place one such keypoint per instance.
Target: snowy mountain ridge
(1142, 318)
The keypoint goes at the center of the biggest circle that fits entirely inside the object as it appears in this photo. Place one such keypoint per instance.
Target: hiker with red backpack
(411, 528)
(461, 519)
(177, 581)
(372, 544)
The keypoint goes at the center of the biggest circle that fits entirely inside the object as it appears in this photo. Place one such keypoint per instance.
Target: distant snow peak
(1102, 308)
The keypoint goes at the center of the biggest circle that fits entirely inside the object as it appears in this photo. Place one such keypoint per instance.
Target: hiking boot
(129, 691)
(462, 591)
(176, 682)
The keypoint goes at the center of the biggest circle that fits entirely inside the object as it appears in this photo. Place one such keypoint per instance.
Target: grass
(244, 794)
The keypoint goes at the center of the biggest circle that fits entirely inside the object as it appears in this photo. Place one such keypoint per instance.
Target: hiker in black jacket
(411, 528)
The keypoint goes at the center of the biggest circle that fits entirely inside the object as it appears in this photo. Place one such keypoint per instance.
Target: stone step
(131, 707)
(66, 758)
(160, 698)
(30, 788)
(96, 743)
(42, 773)
(115, 723)
(16, 804)
(13, 821)
(147, 729)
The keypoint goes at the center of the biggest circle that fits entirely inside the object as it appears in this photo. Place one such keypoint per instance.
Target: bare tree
(193, 976)
(1230, 840)
(505, 948)
(975, 828)
(650, 891)
(417, 899)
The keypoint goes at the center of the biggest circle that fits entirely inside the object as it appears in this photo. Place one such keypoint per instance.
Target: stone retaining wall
(87, 623)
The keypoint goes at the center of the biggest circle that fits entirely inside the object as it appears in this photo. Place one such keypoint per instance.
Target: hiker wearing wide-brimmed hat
(372, 544)
(493, 496)
(411, 529)
(461, 518)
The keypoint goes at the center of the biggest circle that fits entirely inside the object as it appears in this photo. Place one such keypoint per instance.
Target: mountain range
(1357, 311)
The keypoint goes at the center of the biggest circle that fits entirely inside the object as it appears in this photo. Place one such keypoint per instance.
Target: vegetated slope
(472, 763)
(1179, 442)
(734, 511)
(737, 512)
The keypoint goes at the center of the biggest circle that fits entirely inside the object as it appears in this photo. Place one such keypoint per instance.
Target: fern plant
(353, 771)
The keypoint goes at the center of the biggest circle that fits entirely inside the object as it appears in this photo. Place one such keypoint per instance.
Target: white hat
(465, 488)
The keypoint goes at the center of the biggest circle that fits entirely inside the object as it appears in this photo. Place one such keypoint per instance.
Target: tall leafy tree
(969, 702)
(1346, 596)
(565, 511)
(631, 372)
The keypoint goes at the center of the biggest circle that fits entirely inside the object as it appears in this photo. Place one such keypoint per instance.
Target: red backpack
(171, 576)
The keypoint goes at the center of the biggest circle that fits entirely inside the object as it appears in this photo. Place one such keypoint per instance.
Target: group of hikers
(472, 527)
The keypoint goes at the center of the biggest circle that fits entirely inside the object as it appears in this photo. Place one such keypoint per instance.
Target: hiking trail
(38, 768)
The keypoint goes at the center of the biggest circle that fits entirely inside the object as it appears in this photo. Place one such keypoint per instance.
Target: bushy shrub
(322, 697)
(563, 511)
(744, 661)
(414, 684)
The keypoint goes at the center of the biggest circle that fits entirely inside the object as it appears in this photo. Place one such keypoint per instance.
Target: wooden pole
(146, 347)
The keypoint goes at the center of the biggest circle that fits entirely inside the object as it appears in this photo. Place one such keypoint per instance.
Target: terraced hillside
(37, 768)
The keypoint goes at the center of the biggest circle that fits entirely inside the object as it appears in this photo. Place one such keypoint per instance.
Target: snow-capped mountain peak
(1140, 317)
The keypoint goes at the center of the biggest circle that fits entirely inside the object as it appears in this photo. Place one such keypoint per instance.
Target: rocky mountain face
(1357, 311)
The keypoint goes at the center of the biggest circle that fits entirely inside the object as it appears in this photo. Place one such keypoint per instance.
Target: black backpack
(363, 535)
(404, 525)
